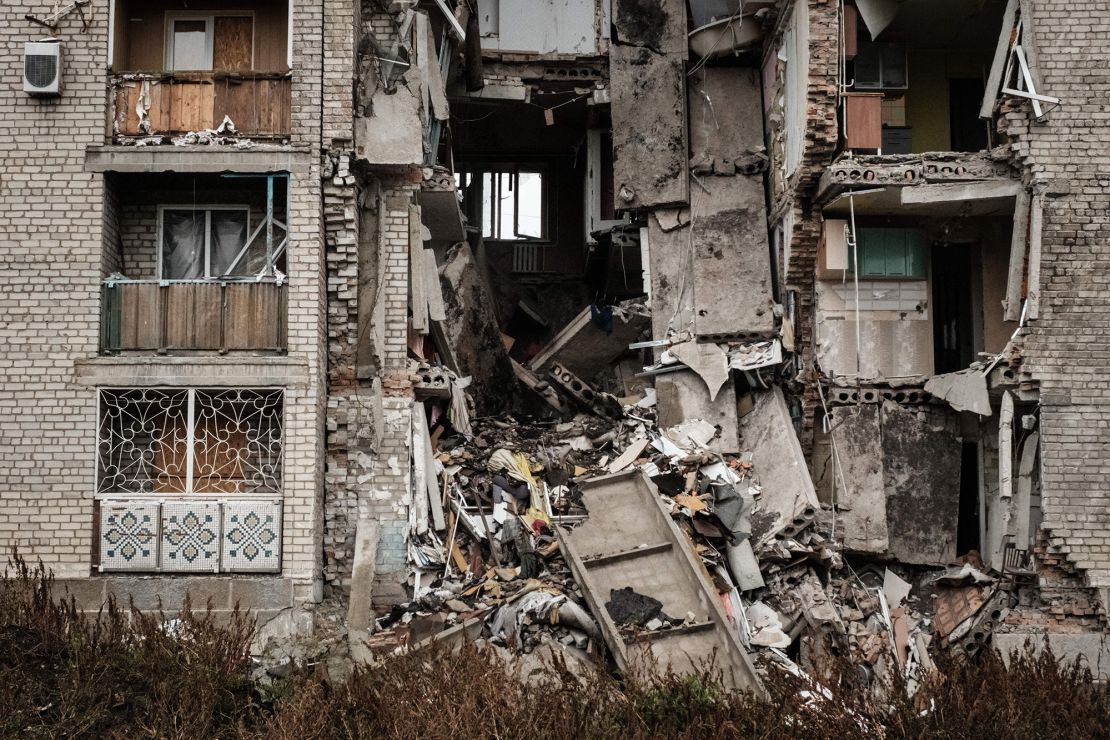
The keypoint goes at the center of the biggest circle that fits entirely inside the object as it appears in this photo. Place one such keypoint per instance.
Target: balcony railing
(171, 104)
(169, 316)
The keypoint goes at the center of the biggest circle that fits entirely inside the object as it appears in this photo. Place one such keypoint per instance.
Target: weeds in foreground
(124, 674)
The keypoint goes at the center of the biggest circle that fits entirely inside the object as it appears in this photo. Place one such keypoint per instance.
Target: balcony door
(204, 43)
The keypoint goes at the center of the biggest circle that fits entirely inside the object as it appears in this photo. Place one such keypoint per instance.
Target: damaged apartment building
(696, 325)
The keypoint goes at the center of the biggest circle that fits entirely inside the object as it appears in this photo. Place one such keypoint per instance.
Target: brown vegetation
(127, 674)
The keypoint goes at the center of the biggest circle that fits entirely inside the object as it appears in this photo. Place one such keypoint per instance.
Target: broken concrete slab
(630, 540)
(359, 614)
(1093, 648)
(682, 396)
(391, 134)
(586, 349)
(965, 390)
(659, 25)
(472, 330)
(768, 432)
(706, 359)
(921, 463)
(648, 100)
(858, 481)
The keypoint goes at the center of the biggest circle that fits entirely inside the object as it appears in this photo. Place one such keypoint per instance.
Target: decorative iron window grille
(189, 441)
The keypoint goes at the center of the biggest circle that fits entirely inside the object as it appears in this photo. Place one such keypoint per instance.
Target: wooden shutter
(233, 43)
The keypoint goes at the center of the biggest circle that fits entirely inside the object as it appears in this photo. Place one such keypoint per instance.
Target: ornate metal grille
(189, 441)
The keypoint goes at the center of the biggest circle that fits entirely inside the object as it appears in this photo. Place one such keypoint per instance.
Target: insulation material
(251, 536)
(128, 535)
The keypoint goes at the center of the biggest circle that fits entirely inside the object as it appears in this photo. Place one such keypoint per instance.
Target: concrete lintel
(960, 191)
(196, 159)
(288, 372)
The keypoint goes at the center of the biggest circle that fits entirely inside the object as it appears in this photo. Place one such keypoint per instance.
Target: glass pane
(867, 67)
(530, 204)
(229, 234)
(190, 45)
(182, 245)
(894, 65)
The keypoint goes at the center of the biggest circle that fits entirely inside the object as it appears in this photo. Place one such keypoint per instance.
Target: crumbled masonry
(644, 333)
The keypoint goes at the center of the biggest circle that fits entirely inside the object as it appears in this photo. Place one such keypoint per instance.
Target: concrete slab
(392, 134)
(629, 540)
(650, 153)
(682, 396)
(659, 25)
(921, 475)
(859, 485)
(1093, 648)
(472, 331)
(587, 350)
(965, 390)
(768, 433)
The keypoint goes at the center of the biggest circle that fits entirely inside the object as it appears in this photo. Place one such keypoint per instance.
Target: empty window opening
(513, 201)
(967, 530)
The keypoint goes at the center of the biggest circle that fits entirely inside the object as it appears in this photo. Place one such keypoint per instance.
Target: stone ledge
(261, 159)
(192, 371)
(222, 593)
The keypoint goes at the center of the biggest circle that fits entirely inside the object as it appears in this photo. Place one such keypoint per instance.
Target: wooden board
(864, 120)
(257, 106)
(140, 316)
(253, 316)
(233, 43)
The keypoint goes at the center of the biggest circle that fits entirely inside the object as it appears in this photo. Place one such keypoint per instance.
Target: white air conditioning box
(42, 67)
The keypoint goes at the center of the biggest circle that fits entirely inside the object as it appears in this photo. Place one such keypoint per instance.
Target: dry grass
(123, 674)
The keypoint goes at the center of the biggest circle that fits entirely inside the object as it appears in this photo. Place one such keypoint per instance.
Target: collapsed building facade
(267, 261)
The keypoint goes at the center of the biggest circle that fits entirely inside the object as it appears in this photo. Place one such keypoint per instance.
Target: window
(208, 242)
(189, 479)
(209, 42)
(189, 441)
(881, 66)
(511, 202)
(890, 253)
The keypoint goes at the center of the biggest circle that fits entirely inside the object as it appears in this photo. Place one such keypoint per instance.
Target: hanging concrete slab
(585, 349)
(921, 474)
(629, 540)
(965, 390)
(648, 103)
(860, 489)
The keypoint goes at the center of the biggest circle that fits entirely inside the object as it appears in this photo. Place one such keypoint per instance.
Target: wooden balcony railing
(171, 104)
(153, 316)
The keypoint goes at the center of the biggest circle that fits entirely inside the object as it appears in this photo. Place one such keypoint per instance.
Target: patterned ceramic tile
(128, 535)
(252, 536)
(190, 536)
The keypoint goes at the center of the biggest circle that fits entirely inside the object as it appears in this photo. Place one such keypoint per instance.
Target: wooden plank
(252, 318)
(140, 316)
(1001, 50)
(233, 43)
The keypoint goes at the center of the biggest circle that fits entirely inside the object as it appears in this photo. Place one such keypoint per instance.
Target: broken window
(890, 253)
(513, 201)
(204, 43)
(201, 243)
(187, 441)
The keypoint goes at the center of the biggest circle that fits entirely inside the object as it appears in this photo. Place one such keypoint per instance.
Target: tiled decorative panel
(252, 536)
(190, 536)
(128, 535)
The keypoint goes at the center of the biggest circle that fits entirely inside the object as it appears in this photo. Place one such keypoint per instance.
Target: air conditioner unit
(42, 67)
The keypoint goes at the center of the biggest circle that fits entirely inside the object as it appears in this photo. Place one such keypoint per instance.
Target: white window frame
(161, 243)
(209, 34)
(209, 19)
(513, 169)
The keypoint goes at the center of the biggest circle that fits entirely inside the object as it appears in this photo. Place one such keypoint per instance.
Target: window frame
(479, 169)
(209, 17)
(161, 237)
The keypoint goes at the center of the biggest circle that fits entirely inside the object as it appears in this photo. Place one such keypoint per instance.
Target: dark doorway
(969, 132)
(967, 529)
(953, 331)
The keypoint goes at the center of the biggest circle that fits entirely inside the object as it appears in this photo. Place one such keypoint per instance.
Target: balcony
(194, 264)
(190, 69)
(174, 104)
(169, 316)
